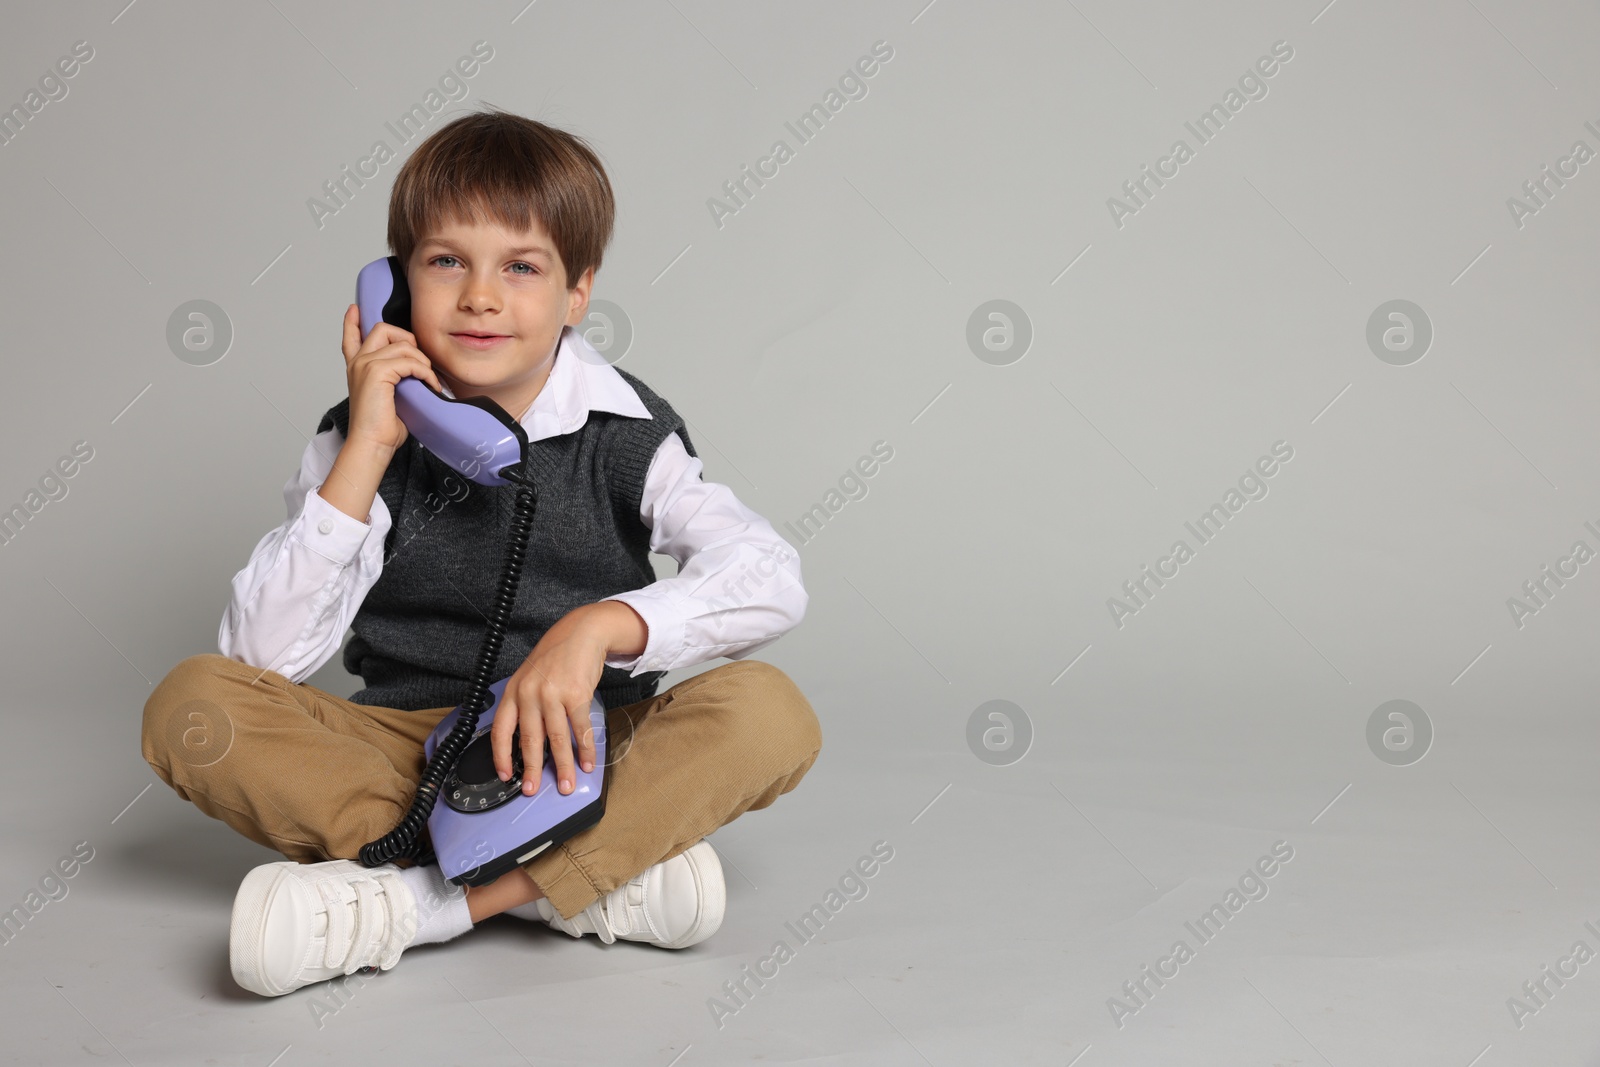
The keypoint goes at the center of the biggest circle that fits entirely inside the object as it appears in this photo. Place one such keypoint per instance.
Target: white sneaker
(298, 923)
(675, 904)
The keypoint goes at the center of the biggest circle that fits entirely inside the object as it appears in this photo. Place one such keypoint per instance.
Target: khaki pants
(315, 776)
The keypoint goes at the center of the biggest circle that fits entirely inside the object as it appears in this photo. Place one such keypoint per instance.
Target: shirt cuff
(664, 642)
(329, 532)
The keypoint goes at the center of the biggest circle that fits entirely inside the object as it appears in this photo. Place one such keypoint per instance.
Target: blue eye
(531, 268)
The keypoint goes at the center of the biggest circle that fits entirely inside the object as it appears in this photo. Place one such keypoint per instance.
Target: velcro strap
(336, 941)
(368, 920)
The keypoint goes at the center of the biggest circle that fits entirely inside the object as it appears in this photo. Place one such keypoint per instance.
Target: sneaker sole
(247, 926)
(713, 890)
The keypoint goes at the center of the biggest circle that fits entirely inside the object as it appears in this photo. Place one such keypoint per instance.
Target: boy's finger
(585, 734)
(383, 335)
(424, 371)
(561, 750)
(505, 723)
(532, 751)
(352, 333)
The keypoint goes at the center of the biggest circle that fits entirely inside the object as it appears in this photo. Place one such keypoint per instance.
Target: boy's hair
(493, 165)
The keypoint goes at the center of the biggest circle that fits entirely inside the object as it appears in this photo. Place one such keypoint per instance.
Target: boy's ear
(578, 295)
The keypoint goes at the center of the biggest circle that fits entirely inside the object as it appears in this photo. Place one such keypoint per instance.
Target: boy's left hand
(549, 695)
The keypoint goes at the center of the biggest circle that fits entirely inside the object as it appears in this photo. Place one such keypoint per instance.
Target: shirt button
(325, 526)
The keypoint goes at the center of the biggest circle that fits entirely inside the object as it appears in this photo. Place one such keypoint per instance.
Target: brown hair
(496, 165)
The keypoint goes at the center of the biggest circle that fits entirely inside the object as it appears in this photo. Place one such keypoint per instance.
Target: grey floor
(1441, 902)
(1017, 902)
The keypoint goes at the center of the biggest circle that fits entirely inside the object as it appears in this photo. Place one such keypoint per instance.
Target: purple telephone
(485, 827)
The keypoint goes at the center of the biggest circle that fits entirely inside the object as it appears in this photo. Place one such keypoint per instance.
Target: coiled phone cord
(404, 839)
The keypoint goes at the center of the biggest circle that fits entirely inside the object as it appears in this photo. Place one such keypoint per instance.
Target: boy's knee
(181, 717)
(777, 708)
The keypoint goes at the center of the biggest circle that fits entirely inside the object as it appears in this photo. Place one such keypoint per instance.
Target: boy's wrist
(365, 452)
(353, 480)
(621, 629)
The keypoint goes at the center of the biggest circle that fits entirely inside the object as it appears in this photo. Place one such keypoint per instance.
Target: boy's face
(481, 278)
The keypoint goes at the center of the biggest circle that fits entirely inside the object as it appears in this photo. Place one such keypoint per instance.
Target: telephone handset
(485, 827)
(466, 433)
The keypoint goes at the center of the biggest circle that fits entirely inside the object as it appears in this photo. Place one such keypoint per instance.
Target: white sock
(530, 910)
(441, 907)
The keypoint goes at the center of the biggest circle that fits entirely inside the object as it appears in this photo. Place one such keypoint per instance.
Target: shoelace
(377, 929)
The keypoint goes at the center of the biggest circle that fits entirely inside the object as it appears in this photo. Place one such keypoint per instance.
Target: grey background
(831, 312)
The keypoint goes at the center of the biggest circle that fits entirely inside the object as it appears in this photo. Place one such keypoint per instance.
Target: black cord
(404, 839)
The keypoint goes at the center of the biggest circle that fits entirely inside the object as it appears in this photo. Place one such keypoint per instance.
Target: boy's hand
(549, 695)
(373, 367)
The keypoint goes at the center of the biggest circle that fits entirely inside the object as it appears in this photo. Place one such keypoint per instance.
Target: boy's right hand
(373, 367)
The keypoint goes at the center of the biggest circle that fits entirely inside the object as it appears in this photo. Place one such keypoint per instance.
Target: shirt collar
(581, 381)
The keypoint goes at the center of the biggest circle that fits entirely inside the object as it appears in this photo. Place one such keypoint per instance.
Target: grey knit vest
(418, 632)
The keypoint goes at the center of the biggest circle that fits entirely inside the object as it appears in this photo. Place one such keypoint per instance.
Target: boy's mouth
(477, 340)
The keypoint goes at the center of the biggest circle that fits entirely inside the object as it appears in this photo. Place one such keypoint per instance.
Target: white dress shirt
(737, 590)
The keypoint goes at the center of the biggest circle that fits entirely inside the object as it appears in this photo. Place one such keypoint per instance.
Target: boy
(500, 222)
